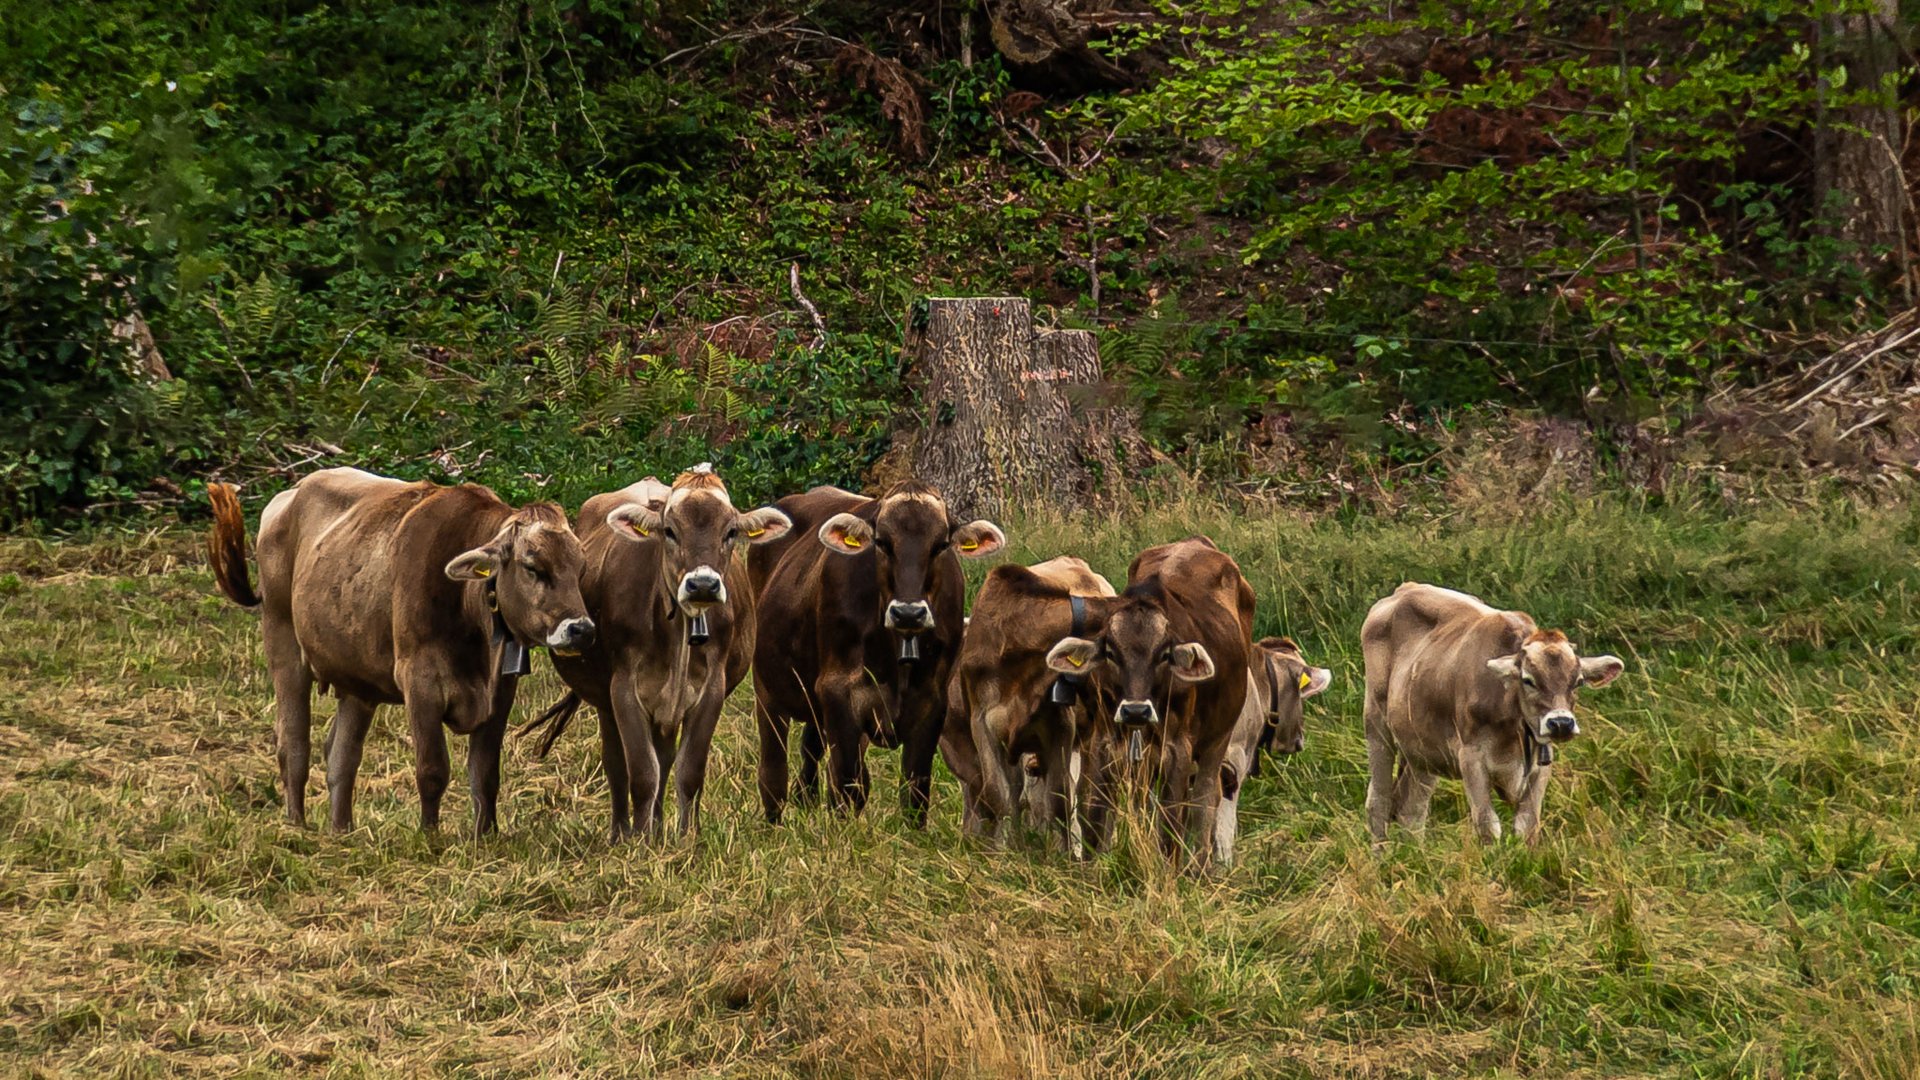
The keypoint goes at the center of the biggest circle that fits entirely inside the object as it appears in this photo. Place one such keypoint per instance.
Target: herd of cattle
(850, 613)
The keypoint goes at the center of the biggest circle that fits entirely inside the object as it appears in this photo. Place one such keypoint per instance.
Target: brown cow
(1273, 718)
(861, 616)
(1173, 655)
(675, 615)
(400, 594)
(1456, 688)
(1010, 706)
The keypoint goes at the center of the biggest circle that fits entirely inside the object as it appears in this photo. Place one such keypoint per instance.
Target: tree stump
(1007, 417)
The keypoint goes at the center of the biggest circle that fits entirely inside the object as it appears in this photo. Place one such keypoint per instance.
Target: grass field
(1726, 883)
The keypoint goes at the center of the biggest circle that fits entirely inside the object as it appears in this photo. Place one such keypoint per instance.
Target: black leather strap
(1079, 605)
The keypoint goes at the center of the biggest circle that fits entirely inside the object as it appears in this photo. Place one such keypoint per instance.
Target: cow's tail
(556, 719)
(227, 547)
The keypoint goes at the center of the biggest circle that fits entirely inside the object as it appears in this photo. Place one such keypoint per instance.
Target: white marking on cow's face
(571, 636)
(909, 616)
(1136, 712)
(1558, 725)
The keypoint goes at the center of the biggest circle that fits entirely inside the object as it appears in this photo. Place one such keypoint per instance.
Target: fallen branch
(819, 324)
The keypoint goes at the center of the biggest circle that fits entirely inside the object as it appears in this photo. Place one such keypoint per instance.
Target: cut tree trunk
(1858, 176)
(1008, 417)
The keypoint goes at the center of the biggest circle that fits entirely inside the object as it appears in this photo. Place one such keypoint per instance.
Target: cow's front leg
(916, 767)
(1056, 799)
(1526, 815)
(690, 764)
(1412, 796)
(1473, 774)
(813, 747)
(1203, 802)
(346, 742)
(636, 746)
(426, 714)
(845, 743)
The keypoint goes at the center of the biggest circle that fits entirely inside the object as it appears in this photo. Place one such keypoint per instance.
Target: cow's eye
(939, 546)
(669, 534)
(732, 535)
(1526, 680)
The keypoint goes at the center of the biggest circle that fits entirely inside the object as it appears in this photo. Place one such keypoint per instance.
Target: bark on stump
(1008, 416)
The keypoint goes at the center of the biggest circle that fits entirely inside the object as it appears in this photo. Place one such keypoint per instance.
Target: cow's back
(1425, 649)
(808, 511)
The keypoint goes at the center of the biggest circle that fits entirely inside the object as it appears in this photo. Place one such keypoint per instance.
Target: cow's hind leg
(1380, 757)
(483, 760)
(293, 713)
(1056, 780)
(425, 715)
(772, 770)
(613, 763)
(690, 764)
(1412, 796)
(346, 742)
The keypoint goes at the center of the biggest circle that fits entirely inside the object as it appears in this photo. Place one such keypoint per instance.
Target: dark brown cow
(1173, 656)
(399, 594)
(861, 616)
(676, 616)
(1457, 688)
(1010, 705)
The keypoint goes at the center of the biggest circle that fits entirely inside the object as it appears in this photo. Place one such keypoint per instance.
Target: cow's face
(1286, 681)
(535, 562)
(698, 531)
(1542, 677)
(908, 534)
(1136, 660)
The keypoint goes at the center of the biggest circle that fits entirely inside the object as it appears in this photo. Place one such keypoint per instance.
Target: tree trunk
(1858, 178)
(1008, 417)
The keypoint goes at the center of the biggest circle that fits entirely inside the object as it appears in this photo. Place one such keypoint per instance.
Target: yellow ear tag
(751, 533)
(1076, 661)
(850, 541)
(971, 545)
(638, 531)
(1304, 680)
(481, 571)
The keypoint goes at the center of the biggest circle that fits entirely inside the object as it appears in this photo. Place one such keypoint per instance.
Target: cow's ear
(978, 538)
(635, 521)
(846, 534)
(1313, 681)
(476, 565)
(1507, 667)
(764, 525)
(1192, 662)
(1072, 655)
(1598, 671)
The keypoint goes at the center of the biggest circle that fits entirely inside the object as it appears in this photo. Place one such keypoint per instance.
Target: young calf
(676, 622)
(1456, 688)
(406, 594)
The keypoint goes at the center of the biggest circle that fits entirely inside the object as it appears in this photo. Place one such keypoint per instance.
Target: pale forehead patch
(1550, 654)
(927, 497)
(682, 494)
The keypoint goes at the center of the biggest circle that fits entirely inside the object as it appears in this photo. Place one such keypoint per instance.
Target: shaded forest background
(554, 245)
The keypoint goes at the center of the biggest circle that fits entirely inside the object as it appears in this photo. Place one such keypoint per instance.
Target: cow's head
(698, 531)
(1542, 677)
(1286, 681)
(1135, 657)
(534, 562)
(908, 533)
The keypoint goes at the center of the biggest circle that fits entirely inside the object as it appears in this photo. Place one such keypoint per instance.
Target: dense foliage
(547, 244)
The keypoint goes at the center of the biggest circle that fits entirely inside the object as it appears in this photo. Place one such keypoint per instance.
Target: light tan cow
(413, 594)
(1274, 718)
(1456, 688)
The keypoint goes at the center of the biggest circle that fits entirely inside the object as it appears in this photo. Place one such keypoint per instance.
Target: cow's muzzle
(572, 636)
(1132, 713)
(909, 616)
(1559, 726)
(701, 589)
